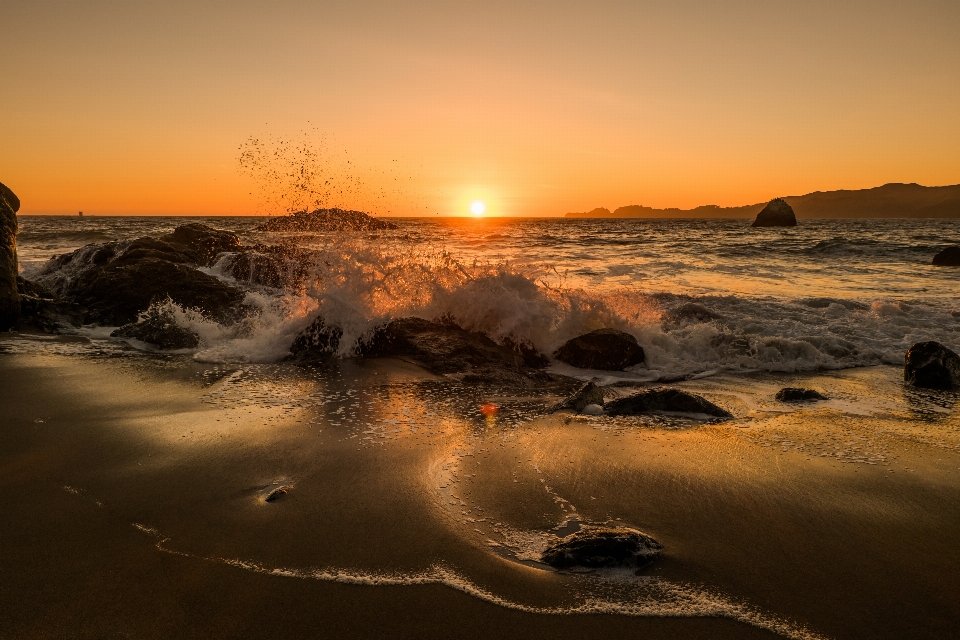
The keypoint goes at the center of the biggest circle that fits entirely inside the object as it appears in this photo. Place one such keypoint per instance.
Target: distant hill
(893, 200)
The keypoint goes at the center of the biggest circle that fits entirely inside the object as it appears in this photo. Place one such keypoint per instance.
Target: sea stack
(777, 213)
(9, 296)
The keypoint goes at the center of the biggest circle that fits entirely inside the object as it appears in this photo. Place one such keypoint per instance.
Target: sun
(477, 208)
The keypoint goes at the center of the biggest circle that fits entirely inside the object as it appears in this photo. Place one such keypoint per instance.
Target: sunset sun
(477, 208)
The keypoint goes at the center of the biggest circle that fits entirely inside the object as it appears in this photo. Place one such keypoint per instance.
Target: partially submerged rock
(794, 394)
(932, 366)
(280, 267)
(588, 394)
(597, 547)
(9, 294)
(604, 349)
(447, 349)
(202, 243)
(322, 220)
(691, 313)
(664, 401)
(777, 213)
(317, 342)
(949, 257)
(157, 326)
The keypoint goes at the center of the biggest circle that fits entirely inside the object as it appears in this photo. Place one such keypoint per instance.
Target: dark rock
(41, 309)
(777, 213)
(277, 493)
(691, 312)
(117, 293)
(597, 547)
(202, 243)
(447, 349)
(321, 220)
(661, 401)
(158, 327)
(587, 394)
(9, 270)
(949, 257)
(317, 342)
(932, 366)
(279, 267)
(532, 357)
(793, 394)
(604, 349)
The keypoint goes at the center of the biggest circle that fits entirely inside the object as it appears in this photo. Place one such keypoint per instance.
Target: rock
(447, 349)
(661, 401)
(317, 342)
(202, 243)
(116, 281)
(691, 313)
(588, 394)
(9, 295)
(949, 257)
(777, 213)
(322, 220)
(931, 365)
(604, 349)
(271, 266)
(277, 493)
(117, 293)
(157, 326)
(592, 410)
(793, 394)
(597, 547)
(41, 309)
(530, 355)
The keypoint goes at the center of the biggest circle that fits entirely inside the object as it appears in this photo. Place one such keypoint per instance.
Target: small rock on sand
(793, 394)
(932, 366)
(597, 547)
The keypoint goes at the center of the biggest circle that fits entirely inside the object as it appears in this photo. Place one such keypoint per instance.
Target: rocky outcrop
(586, 395)
(949, 257)
(280, 267)
(777, 213)
(793, 394)
(116, 281)
(157, 326)
(41, 309)
(324, 220)
(447, 349)
(316, 343)
(664, 401)
(598, 547)
(9, 295)
(603, 349)
(932, 366)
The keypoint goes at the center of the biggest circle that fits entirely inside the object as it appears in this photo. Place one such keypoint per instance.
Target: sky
(535, 108)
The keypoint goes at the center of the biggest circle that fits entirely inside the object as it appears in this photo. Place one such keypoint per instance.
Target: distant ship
(80, 214)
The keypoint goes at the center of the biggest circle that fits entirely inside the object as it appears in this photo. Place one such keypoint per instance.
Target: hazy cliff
(893, 200)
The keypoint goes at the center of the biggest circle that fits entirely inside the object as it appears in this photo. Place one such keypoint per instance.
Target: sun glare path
(477, 208)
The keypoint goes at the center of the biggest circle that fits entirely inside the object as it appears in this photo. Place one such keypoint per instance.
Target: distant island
(895, 200)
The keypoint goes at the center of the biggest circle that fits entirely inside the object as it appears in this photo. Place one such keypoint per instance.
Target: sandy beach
(136, 492)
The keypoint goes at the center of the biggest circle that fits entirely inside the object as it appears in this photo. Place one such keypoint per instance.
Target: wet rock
(9, 294)
(41, 309)
(280, 267)
(323, 220)
(932, 366)
(593, 410)
(949, 257)
(202, 243)
(664, 401)
(532, 357)
(777, 213)
(793, 394)
(597, 547)
(588, 394)
(157, 326)
(317, 342)
(691, 313)
(447, 349)
(117, 293)
(604, 349)
(277, 493)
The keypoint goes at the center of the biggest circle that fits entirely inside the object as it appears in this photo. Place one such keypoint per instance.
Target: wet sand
(134, 499)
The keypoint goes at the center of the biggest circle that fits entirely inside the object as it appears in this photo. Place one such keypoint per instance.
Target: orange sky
(538, 108)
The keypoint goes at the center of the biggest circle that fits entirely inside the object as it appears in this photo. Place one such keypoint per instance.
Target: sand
(133, 499)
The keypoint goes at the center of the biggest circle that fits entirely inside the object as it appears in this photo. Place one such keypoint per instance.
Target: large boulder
(664, 401)
(323, 220)
(598, 547)
(604, 349)
(158, 326)
(9, 295)
(949, 257)
(932, 366)
(777, 213)
(447, 349)
(116, 281)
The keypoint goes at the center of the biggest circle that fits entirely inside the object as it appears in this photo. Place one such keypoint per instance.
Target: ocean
(223, 491)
